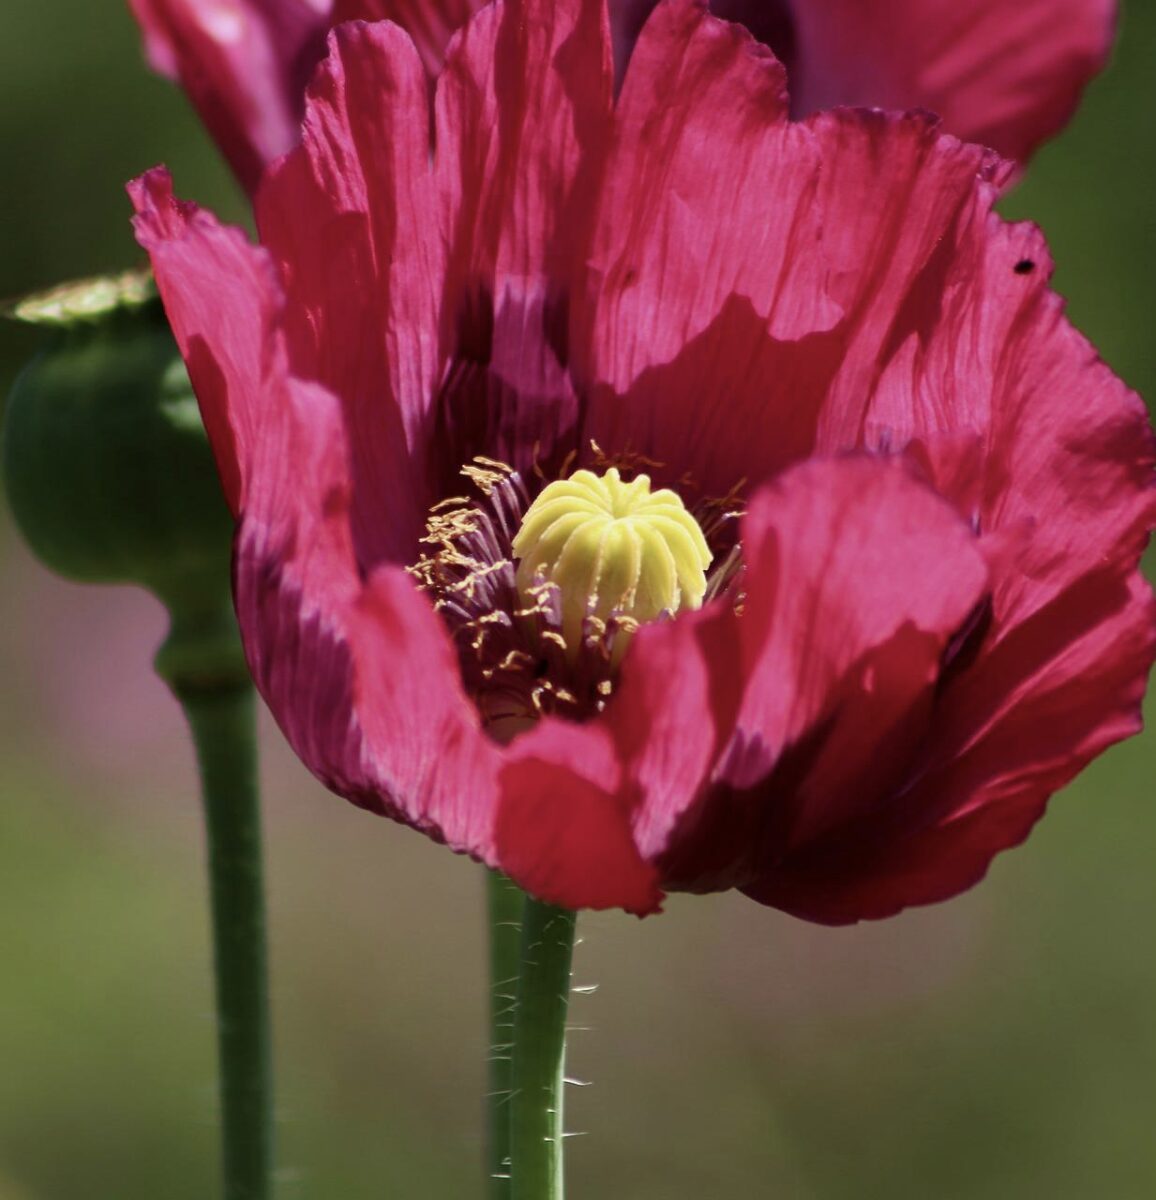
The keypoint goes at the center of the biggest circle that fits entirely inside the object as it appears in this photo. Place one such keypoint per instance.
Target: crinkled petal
(1031, 708)
(847, 558)
(423, 281)
(857, 578)
(563, 826)
(525, 94)
(1003, 73)
(424, 749)
(1057, 710)
(1064, 478)
(324, 656)
(703, 282)
(523, 113)
(1034, 706)
(222, 298)
(362, 678)
(431, 23)
(673, 715)
(243, 64)
(350, 216)
(898, 203)
(1067, 449)
(759, 260)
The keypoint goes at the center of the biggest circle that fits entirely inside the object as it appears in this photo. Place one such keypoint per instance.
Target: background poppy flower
(1005, 73)
(939, 618)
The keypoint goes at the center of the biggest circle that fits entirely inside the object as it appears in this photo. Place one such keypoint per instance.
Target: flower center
(610, 547)
(543, 596)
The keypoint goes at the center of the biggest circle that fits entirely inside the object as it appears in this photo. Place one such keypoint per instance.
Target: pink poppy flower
(914, 498)
(1005, 73)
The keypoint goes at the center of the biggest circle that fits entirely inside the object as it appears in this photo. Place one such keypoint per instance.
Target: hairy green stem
(221, 715)
(504, 901)
(543, 998)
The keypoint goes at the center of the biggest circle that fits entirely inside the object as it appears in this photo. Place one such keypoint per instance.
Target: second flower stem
(222, 720)
(537, 1069)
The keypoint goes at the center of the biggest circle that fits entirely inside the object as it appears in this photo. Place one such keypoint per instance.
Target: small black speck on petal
(1025, 266)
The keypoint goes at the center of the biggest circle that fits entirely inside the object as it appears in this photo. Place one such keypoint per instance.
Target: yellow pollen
(612, 549)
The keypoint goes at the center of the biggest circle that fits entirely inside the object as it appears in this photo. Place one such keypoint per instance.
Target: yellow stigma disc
(611, 548)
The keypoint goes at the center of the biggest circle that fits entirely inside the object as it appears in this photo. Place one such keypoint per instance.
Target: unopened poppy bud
(611, 548)
(105, 460)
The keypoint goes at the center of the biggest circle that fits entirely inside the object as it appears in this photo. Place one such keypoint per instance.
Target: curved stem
(543, 998)
(504, 902)
(222, 718)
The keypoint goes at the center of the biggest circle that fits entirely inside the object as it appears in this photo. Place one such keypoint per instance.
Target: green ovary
(611, 548)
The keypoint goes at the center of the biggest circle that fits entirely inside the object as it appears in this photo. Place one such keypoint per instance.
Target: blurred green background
(1000, 1046)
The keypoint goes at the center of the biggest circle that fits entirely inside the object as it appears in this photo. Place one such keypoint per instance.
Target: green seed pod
(108, 469)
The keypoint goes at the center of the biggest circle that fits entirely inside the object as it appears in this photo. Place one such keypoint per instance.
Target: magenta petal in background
(1004, 73)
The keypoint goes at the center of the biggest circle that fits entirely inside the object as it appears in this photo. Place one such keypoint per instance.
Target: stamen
(547, 635)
